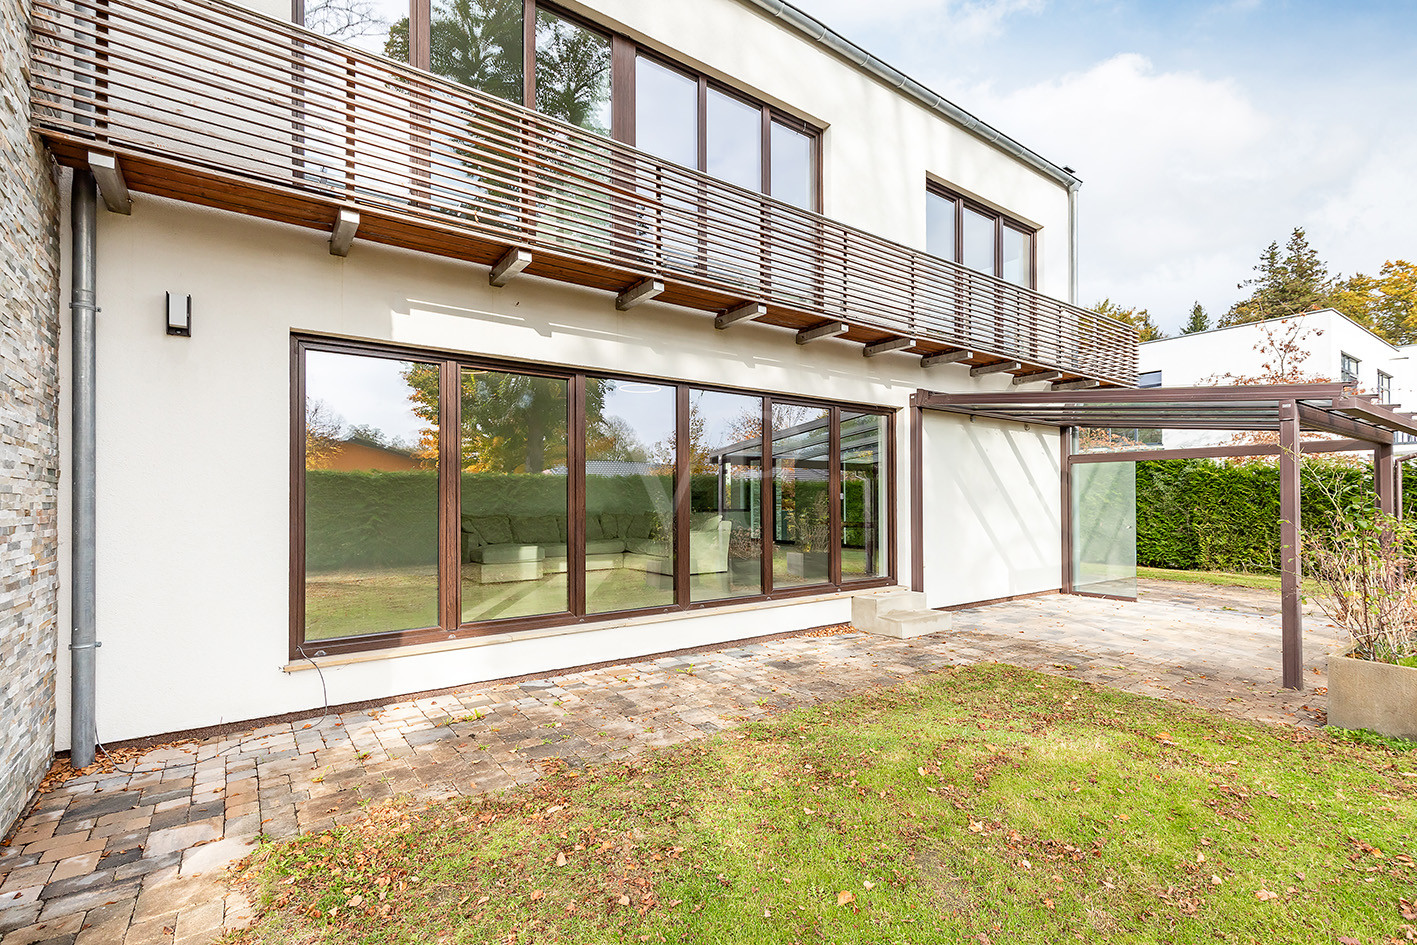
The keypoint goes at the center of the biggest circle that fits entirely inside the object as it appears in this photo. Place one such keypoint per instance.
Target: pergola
(1357, 421)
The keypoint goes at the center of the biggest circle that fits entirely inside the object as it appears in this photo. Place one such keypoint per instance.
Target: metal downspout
(1073, 242)
(83, 726)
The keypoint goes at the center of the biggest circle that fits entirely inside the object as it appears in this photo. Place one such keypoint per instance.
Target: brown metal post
(917, 495)
(1291, 608)
(1384, 478)
(1065, 504)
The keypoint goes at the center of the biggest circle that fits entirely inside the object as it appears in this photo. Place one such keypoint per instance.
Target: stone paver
(138, 856)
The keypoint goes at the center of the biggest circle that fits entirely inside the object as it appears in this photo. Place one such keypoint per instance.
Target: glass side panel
(801, 449)
(791, 167)
(979, 241)
(377, 26)
(371, 495)
(666, 113)
(1018, 257)
(572, 72)
(514, 495)
(725, 495)
(735, 140)
(1105, 528)
(940, 225)
(629, 474)
(863, 495)
(479, 43)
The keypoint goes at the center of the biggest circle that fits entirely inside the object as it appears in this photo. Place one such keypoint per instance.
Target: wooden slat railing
(202, 87)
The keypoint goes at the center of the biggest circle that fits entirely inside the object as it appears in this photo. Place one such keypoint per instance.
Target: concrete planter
(1377, 696)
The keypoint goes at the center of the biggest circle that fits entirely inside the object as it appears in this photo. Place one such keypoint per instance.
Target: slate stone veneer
(29, 430)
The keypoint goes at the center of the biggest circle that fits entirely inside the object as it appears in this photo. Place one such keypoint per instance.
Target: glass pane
(1104, 528)
(940, 226)
(666, 113)
(725, 495)
(371, 495)
(1018, 257)
(377, 26)
(863, 495)
(514, 495)
(735, 141)
(572, 73)
(979, 241)
(801, 495)
(629, 495)
(793, 171)
(479, 43)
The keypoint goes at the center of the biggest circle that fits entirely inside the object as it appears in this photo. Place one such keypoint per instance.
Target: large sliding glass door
(437, 496)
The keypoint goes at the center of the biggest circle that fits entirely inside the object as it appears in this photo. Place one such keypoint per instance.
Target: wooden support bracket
(979, 370)
(824, 330)
(1037, 376)
(112, 187)
(342, 235)
(505, 269)
(739, 313)
(1081, 383)
(946, 357)
(641, 291)
(884, 347)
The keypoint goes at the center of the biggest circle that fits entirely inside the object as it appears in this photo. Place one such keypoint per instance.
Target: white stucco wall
(193, 457)
(992, 510)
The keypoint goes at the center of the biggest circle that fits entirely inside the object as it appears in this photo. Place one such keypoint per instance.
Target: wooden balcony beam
(1081, 383)
(1036, 376)
(824, 330)
(505, 269)
(946, 357)
(879, 348)
(342, 235)
(979, 370)
(641, 291)
(745, 312)
(112, 186)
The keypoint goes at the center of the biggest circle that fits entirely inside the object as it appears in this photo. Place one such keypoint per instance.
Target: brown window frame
(624, 53)
(450, 625)
(1001, 220)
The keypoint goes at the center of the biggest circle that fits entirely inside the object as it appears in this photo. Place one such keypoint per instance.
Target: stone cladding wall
(29, 430)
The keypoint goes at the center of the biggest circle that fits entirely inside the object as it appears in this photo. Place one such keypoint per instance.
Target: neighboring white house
(575, 312)
(1335, 348)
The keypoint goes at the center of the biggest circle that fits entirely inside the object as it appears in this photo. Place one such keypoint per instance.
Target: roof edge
(821, 34)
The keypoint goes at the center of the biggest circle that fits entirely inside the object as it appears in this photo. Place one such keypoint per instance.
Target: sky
(1202, 130)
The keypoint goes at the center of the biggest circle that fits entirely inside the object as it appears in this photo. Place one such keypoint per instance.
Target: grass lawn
(985, 804)
(1264, 582)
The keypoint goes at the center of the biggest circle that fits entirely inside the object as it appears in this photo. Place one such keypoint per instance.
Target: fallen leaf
(868, 884)
(538, 895)
(844, 898)
(355, 901)
(1264, 895)
(560, 859)
(624, 900)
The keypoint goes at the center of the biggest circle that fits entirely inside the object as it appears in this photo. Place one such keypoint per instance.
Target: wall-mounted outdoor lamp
(179, 315)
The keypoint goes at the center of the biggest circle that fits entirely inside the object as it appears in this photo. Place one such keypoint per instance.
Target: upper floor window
(1348, 368)
(603, 82)
(980, 238)
(1149, 379)
(1384, 388)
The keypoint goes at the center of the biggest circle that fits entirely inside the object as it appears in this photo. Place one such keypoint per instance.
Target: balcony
(209, 103)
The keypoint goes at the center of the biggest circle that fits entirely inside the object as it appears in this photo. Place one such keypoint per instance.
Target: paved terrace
(138, 856)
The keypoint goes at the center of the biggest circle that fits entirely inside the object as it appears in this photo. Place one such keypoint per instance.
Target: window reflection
(793, 167)
(801, 449)
(514, 495)
(1018, 257)
(725, 497)
(863, 495)
(572, 73)
(979, 241)
(376, 26)
(666, 113)
(735, 140)
(629, 487)
(479, 43)
(371, 495)
(940, 225)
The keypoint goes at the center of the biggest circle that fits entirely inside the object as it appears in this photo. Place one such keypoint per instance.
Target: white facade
(194, 434)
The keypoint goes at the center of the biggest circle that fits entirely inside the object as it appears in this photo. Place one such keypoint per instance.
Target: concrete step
(867, 607)
(907, 625)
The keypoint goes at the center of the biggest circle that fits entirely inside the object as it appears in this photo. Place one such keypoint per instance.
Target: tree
(1285, 284)
(1138, 318)
(572, 75)
(1199, 321)
(322, 433)
(345, 20)
(1386, 303)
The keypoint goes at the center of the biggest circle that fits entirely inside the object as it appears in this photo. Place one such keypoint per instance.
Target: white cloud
(1187, 177)
(951, 21)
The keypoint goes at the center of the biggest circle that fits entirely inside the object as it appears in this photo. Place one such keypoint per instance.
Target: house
(1323, 345)
(646, 289)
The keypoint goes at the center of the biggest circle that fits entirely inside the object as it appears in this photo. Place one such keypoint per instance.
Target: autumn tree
(322, 433)
(1138, 318)
(1199, 321)
(1286, 282)
(1385, 303)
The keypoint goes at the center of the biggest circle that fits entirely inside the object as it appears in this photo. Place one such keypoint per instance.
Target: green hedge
(1208, 516)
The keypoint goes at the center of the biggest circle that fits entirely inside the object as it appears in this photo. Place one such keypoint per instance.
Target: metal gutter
(819, 33)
